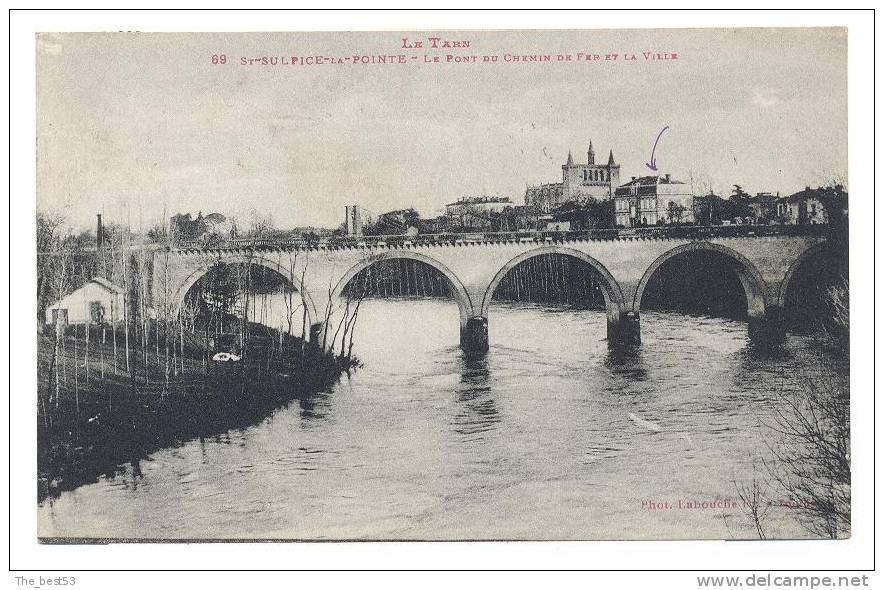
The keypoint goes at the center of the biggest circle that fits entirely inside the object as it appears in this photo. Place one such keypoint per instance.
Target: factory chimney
(99, 232)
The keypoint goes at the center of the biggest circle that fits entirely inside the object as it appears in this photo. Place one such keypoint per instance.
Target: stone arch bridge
(623, 266)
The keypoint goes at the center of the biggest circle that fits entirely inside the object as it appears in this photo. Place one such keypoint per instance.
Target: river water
(550, 436)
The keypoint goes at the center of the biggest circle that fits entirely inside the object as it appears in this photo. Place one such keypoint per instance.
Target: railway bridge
(763, 259)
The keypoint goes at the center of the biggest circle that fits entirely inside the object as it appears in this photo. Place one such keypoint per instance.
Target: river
(550, 436)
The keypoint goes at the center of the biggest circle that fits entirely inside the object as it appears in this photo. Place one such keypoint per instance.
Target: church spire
(590, 155)
(611, 158)
(570, 159)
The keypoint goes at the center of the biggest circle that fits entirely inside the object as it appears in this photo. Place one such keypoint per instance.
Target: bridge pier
(624, 330)
(474, 335)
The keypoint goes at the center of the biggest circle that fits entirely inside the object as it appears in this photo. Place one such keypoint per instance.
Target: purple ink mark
(653, 163)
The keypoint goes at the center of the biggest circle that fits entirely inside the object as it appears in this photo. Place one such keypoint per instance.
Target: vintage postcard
(443, 285)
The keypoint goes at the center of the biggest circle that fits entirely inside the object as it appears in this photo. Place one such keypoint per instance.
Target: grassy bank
(94, 414)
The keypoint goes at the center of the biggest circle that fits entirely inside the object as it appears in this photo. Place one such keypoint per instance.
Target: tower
(613, 173)
(590, 179)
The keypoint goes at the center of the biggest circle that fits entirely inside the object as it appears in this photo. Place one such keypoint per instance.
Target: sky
(138, 124)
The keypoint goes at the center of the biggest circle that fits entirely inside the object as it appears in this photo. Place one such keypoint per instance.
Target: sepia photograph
(427, 285)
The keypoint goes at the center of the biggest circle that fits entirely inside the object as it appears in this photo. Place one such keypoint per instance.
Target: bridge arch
(749, 276)
(205, 266)
(611, 291)
(810, 252)
(461, 296)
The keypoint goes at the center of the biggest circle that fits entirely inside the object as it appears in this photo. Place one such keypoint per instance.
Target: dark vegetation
(143, 377)
(807, 468)
(100, 419)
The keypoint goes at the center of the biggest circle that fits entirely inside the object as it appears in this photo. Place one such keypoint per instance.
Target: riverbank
(94, 415)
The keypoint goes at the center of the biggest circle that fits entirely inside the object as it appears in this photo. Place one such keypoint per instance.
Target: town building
(579, 182)
(96, 302)
(804, 207)
(653, 200)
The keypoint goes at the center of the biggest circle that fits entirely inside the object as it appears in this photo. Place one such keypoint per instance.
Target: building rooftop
(815, 193)
(107, 284)
(647, 180)
(480, 200)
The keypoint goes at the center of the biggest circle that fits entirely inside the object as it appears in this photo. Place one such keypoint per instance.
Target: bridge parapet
(405, 241)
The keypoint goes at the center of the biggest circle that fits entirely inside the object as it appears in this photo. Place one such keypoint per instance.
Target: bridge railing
(404, 241)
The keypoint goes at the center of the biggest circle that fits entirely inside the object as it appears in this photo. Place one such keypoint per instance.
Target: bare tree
(809, 456)
(55, 267)
(288, 298)
(262, 225)
(127, 302)
(167, 243)
(754, 499)
(836, 331)
(675, 212)
(48, 226)
(345, 315)
(362, 293)
(354, 293)
(302, 290)
(811, 459)
(326, 320)
(142, 313)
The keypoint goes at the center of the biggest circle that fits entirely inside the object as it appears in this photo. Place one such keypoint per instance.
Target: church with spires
(579, 182)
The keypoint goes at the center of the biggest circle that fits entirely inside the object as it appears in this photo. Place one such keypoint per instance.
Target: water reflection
(314, 406)
(626, 362)
(477, 411)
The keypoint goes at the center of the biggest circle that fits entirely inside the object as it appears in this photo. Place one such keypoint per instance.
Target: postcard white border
(855, 553)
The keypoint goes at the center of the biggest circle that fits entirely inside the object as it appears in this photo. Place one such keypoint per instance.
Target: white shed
(99, 300)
